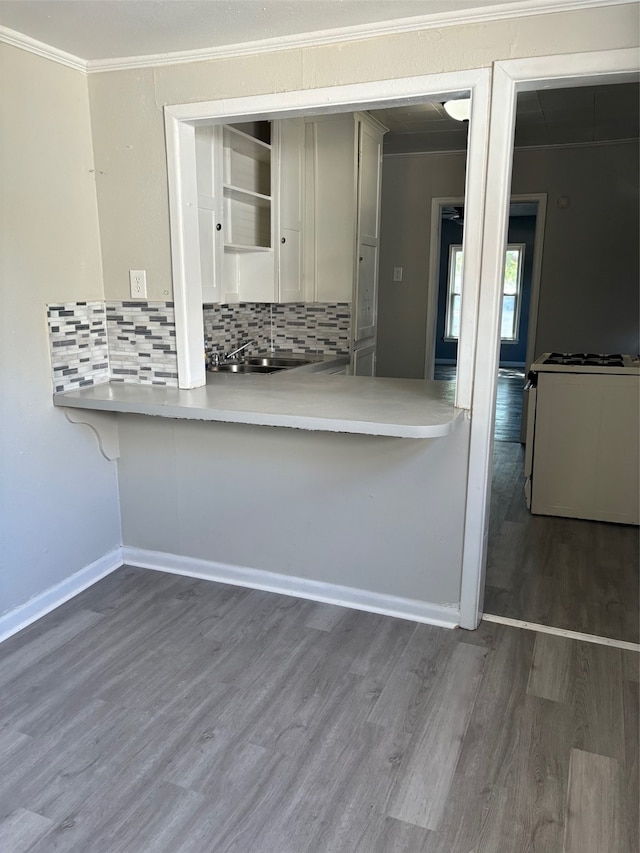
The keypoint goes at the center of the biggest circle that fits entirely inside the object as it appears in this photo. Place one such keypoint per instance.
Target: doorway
(519, 301)
(565, 573)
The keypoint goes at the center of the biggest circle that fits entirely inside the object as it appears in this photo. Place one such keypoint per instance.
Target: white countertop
(406, 408)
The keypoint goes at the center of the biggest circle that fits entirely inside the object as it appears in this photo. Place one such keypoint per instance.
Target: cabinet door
(364, 361)
(288, 141)
(331, 224)
(365, 295)
(210, 204)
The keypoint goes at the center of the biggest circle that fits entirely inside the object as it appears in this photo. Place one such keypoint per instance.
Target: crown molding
(516, 9)
(601, 143)
(39, 48)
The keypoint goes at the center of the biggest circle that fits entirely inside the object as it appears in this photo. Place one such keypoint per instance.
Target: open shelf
(246, 196)
(240, 247)
(246, 145)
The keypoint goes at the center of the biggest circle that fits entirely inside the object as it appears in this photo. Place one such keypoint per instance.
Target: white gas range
(586, 362)
(583, 437)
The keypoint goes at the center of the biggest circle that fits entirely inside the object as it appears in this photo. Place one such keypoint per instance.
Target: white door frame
(180, 123)
(509, 78)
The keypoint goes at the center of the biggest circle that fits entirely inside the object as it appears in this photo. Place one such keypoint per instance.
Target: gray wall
(408, 185)
(58, 496)
(381, 514)
(590, 276)
(589, 285)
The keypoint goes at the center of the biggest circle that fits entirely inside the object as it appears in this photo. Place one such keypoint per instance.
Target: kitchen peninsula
(404, 408)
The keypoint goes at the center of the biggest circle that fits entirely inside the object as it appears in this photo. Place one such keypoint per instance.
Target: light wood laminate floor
(563, 572)
(155, 713)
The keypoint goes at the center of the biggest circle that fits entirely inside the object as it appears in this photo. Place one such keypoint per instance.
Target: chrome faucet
(229, 355)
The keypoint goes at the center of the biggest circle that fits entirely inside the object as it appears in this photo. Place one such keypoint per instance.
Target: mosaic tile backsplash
(229, 326)
(135, 342)
(317, 327)
(294, 327)
(142, 342)
(78, 338)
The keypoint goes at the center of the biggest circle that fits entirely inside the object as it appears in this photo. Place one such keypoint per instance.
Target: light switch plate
(397, 273)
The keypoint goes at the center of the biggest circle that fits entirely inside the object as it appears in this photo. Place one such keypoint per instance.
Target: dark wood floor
(158, 714)
(562, 572)
(508, 399)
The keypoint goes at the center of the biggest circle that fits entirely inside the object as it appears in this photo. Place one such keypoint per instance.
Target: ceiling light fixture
(460, 110)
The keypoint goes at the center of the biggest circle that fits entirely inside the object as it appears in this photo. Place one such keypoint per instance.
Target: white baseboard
(357, 599)
(15, 620)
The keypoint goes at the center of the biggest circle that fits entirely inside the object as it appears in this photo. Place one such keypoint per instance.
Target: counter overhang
(403, 408)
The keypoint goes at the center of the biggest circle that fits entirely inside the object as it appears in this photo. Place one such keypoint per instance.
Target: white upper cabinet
(288, 146)
(343, 182)
(235, 212)
(330, 222)
(289, 211)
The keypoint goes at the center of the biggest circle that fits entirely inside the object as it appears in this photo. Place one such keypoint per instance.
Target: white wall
(589, 282)
(58, 496)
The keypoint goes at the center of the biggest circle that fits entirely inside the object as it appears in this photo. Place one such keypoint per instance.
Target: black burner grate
(585, 358)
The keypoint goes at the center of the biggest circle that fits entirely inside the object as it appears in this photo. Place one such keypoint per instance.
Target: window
(454, 293)
(511, 293)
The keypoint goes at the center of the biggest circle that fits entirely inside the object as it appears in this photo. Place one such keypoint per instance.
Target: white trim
(442, 20)
(562, 632)
(475, 191)
(39, 48)
(632, 140)
(185, 251)
(179, 121)
(571, 70)
(350, 97)
(344, 596)
(517, 9)
(509, 78)
(440, 153)
(602, 143)
(18, 618)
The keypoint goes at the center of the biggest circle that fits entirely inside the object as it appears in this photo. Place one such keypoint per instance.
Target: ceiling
(544, 117)
(112, 28)
(94, 30)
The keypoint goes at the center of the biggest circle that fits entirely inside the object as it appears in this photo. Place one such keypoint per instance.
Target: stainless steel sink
(243, 367)
(277, 361)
